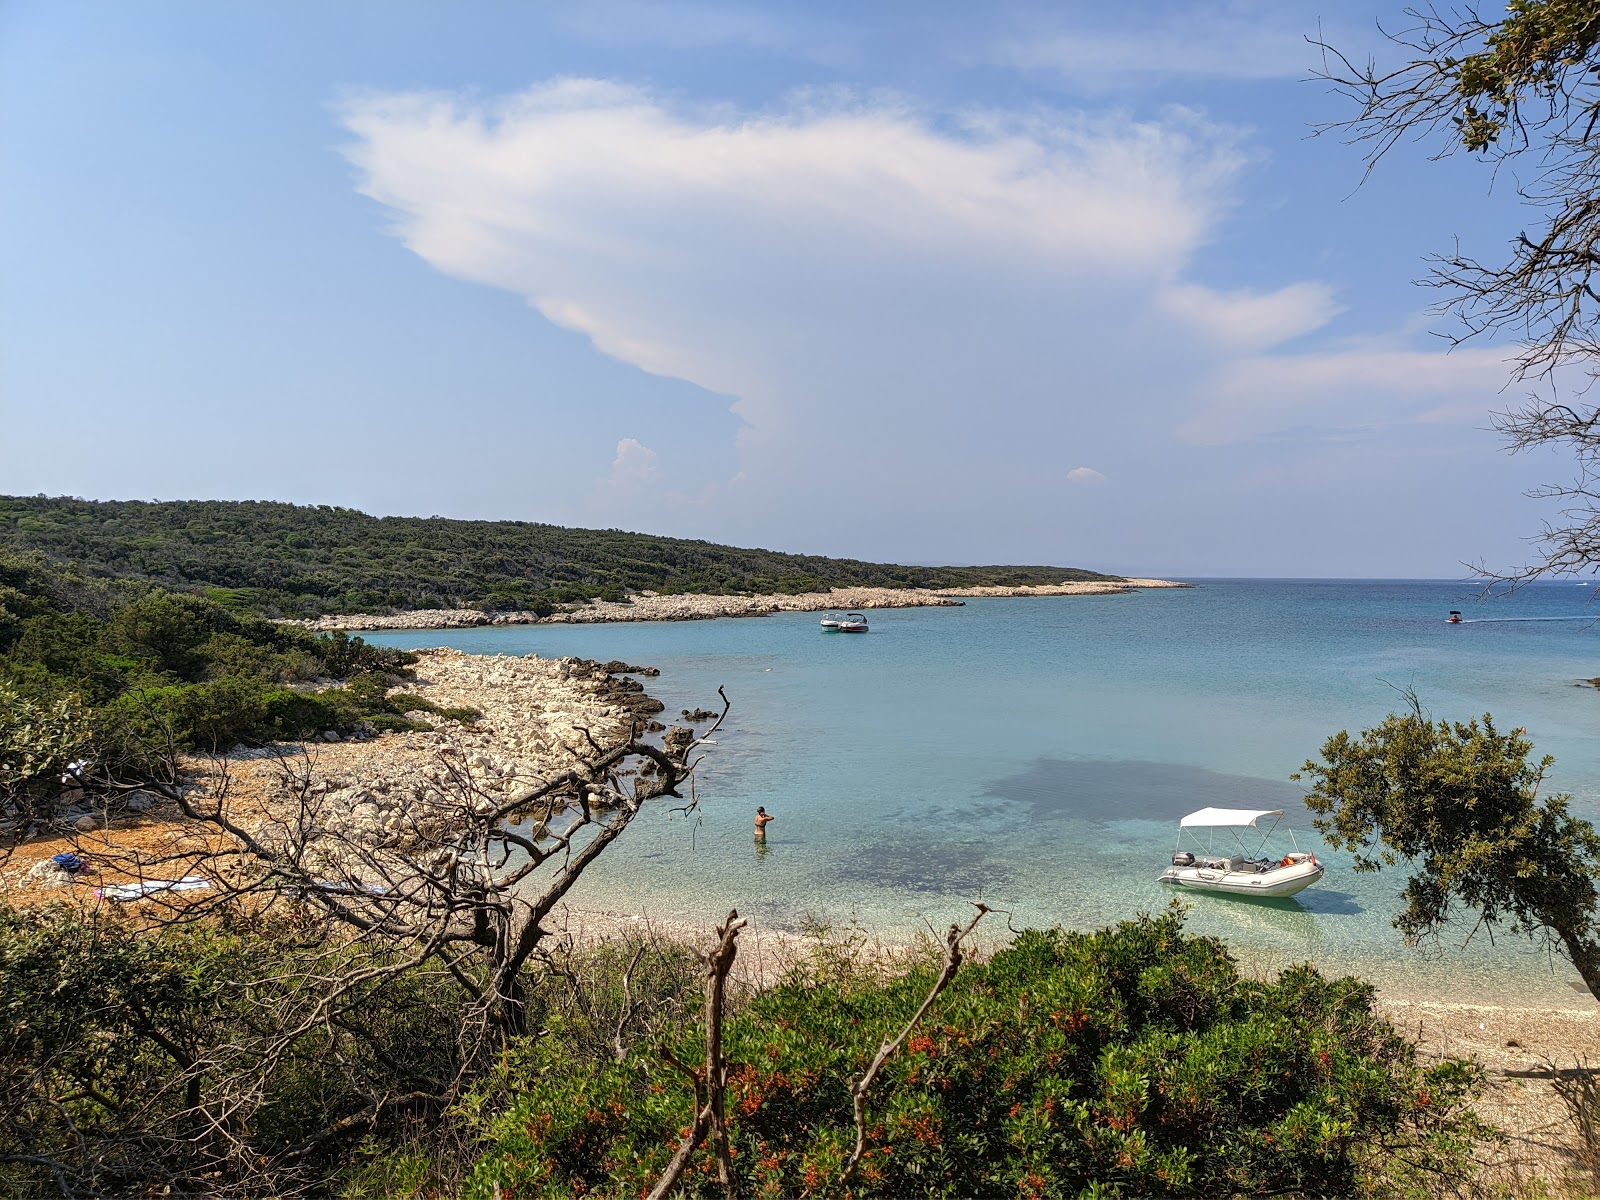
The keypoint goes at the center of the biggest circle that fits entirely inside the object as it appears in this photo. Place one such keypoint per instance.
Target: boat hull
(1276, 883)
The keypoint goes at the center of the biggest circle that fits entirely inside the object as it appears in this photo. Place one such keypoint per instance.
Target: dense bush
(38, 740)
(1133, 1061)
(144, 670)
(179, 1061)
(290, 560)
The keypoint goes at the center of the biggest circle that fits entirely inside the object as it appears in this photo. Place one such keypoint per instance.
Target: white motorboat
(853, 623)
(1241, 873)
(831, 624)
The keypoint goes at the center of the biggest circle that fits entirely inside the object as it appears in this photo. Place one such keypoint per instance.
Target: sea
(1036, 753)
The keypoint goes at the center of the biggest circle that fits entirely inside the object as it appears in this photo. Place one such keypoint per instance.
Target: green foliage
(285, 559)
(1460, 803)
(38, 740)
(1132, 1061)
(100, 1035)
(121, 1046)
(1135, 1061)
(1536, 52)
(140, 672)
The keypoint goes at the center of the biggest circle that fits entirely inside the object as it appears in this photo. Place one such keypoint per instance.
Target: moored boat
(853, 623)
(1239, 873)
(830, 624)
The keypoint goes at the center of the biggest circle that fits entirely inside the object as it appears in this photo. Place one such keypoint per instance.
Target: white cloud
(851, 272)
(1085, 475)
(635, 464)
(1248, 320)
(1244, 41)
(1364, 384)
(900, 304)
(630, 483)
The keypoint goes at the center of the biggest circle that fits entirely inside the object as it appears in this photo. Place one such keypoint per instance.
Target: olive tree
(1460, 804)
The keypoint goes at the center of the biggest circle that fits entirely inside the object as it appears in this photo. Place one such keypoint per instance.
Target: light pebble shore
(648, 606)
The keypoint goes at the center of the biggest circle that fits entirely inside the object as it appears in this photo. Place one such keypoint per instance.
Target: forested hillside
(286, 559)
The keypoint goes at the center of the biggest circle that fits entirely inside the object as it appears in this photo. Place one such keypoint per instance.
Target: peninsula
(309, 562)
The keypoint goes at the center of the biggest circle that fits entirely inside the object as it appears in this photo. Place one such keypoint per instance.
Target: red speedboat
(1454, 618)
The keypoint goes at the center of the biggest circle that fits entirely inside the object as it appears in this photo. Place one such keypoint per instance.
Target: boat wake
(1511, 620)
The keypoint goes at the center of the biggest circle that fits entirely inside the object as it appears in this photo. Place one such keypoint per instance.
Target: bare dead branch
(711, 1081)
(859, 1088)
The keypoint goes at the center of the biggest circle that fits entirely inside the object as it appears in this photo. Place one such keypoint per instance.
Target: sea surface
(1038, 752)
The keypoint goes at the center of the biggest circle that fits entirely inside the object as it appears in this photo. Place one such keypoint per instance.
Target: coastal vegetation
(309, 560)
(124, 674)
(1137, 1060)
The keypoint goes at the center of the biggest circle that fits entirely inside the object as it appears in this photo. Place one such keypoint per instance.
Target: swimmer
(762, 817)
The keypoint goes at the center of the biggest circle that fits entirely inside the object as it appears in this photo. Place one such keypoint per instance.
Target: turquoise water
(1039, 752)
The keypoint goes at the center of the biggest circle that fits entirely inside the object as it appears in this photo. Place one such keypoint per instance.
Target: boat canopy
(1227, 818)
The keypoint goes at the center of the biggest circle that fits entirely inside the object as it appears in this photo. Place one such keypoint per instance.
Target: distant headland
(334, 567)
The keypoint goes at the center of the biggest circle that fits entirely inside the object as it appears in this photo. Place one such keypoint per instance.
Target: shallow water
(1039, 752)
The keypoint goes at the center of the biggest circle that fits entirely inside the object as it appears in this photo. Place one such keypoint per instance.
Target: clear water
(1039, 752)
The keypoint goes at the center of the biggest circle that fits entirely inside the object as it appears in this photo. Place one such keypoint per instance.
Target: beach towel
(135, 891)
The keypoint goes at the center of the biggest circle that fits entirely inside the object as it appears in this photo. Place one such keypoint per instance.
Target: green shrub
(120, 1044)
(100, 1028)
(386, 723)
(404, 702)
(1136, 1060)
(166, 630)
(290, 714)
(37, 741)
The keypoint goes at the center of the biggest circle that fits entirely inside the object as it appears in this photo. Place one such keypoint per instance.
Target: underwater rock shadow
(926, 865)
(1093, 789)
(1325, 902)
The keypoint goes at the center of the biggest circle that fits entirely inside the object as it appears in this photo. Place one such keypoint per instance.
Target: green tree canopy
(1459, 802)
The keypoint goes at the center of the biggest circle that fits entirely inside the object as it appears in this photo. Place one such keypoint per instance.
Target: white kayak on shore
(1240, 873)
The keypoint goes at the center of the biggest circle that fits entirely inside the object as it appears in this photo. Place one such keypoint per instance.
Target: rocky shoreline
(537, 716)
(648, 606)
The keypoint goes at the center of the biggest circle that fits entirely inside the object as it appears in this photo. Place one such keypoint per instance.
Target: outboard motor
(1183, 859)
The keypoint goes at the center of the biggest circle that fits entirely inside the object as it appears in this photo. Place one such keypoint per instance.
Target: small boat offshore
(853, 623)
(1239, 873)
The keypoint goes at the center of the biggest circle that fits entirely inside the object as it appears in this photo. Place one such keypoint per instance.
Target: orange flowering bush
(1135, 1060)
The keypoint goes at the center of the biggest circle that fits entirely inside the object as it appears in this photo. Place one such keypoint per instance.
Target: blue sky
(1045, 283)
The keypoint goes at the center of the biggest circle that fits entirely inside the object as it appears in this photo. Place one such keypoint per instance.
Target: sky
(1060, 283)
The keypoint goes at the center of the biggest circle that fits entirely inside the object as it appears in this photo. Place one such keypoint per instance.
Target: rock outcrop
(397, 792)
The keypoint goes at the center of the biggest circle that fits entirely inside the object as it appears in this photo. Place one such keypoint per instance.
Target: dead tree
(467, 878)
(461, 885)
(859, 1088)
(710, 1082)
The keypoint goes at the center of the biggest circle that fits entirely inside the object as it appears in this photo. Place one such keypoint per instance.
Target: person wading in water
(762, 817)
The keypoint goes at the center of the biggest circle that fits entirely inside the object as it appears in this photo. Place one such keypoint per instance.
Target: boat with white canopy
(1241, 873)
